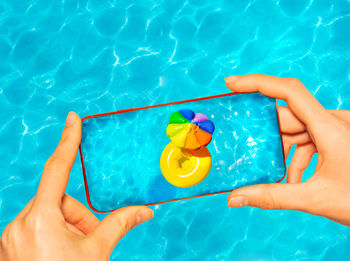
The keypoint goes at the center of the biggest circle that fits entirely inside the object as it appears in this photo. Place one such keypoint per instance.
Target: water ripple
(94, 56)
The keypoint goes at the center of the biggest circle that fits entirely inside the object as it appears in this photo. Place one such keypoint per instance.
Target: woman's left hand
(55, 226)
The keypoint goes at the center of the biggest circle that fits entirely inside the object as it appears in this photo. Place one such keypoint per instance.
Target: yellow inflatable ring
(183, 167)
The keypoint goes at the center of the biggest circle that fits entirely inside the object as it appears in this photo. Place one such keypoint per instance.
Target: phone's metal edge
(282, 145)
(160, 105)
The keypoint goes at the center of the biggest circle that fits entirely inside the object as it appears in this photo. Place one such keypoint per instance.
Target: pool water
(98, 56)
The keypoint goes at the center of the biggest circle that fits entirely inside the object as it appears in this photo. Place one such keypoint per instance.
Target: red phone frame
(160, 105)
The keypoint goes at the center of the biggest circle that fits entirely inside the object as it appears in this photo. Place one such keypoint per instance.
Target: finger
(117, 224)
(298, 98)
(271, 196)
(287, 145)
(289, 122)
(300, 161)
(74, 229)
(297, 139)
(56, 172)
(78, 215)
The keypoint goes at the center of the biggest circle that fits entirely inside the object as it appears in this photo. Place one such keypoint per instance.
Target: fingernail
(237, 202)
(70, 119)
(144, 215)
(231, 79)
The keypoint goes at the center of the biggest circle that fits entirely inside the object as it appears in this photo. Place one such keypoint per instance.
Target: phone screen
(133, 157)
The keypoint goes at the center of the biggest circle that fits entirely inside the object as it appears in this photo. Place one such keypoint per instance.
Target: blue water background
(97, 56)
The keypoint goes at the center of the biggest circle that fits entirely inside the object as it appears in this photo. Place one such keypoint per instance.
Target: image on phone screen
(180, 150)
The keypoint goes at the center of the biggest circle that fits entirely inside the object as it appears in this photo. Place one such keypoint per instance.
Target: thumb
(272, 196)
(114, 227)
(55, 177)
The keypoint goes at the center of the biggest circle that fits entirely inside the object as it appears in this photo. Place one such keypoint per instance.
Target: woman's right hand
(313, 129)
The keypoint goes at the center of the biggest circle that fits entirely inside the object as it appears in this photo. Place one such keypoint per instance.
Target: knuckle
(38, 220)
(34, 221)
(339, 134)
(11, 234)
(6, 234)
(343, 130)
(54, 164)
(68, 138)
(311, 149)
(294, 82)
(268, 201)
(124, 224)
(292, 86)
(48, 163)
(316, 204)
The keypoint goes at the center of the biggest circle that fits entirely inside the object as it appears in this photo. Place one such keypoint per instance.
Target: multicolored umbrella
(190, 130)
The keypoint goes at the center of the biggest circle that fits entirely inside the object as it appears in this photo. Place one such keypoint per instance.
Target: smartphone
(180, 150)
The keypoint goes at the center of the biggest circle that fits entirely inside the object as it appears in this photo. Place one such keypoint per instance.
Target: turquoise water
(97, 56)
(123, 151)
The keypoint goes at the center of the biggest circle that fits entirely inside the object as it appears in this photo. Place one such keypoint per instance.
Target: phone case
(180, 150)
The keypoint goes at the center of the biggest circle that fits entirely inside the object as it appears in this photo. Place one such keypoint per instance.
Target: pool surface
(99, 56)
